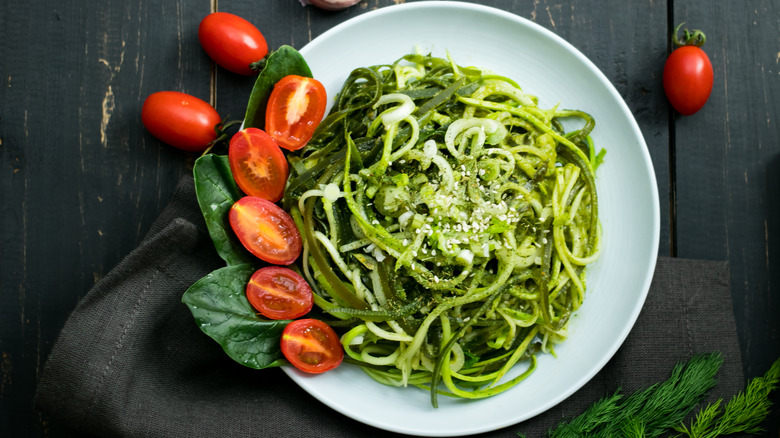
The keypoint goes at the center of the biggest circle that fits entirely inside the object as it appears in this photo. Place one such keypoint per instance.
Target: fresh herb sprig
(662, 408)
(743, 413)
(651, 411)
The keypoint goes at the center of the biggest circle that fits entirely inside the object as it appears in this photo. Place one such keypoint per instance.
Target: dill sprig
(598, 414)
(663, 407)
(744, 412)
(649, 412)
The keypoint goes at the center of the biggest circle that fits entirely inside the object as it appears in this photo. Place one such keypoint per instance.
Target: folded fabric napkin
(131, 362)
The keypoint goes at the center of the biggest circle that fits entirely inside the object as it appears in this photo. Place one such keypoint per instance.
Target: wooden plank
(727, 168)
(82, 177)
(77, 122)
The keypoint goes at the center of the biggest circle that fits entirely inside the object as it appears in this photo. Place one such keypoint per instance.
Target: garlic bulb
(330, 5)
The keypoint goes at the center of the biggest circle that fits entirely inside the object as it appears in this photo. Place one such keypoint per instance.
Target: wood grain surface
(82, 180)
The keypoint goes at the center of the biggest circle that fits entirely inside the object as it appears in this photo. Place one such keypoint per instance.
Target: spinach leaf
(283, 62)
(217, 191)
(218, 303)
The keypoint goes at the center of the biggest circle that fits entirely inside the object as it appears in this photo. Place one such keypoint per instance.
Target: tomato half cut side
(258, 165)
(295, 108)
(311, 346)
(279, 293)
(265, 230)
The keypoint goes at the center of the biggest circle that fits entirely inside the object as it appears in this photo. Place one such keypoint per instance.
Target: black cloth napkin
(131, 362)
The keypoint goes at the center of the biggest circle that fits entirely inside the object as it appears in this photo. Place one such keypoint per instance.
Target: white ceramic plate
(547, 66)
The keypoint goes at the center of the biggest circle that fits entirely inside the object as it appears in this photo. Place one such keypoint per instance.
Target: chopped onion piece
(330, 5)
(465, 257)
(378, 254)
(404, 218)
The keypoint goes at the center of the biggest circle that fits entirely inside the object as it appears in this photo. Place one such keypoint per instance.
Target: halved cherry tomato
(279, 293)
(688, 74)
(258, 165)
(265, 230)
(295, 108)
(180, 120)
(311, 346)
(232, 42)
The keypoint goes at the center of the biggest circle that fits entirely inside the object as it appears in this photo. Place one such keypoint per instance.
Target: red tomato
(688, 75)
(232, 42)
(180, 120)
(258, 165)
(279, 293)
(295, 108)
(311, 346)
(265, 230)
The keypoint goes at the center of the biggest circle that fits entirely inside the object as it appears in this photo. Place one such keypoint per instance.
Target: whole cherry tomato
(295, 108)
(265, 230)
(311, 346)
(279, 293)
(180, 120)
(232, 42)
(258, 165)
(688, 75)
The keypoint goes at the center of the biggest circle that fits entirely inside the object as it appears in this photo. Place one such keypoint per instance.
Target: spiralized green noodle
(447, 222)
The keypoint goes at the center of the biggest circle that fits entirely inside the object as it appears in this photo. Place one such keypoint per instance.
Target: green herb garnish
(662, 408)
(743, 413)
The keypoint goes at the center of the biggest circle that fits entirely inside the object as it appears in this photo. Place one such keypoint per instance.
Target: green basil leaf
(217, 191)
(218, 303)
(283, 62)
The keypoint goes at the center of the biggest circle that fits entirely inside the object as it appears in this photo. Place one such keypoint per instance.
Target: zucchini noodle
(448, 222)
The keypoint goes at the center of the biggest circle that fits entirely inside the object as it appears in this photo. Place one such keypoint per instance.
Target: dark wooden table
(82, 180)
